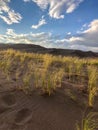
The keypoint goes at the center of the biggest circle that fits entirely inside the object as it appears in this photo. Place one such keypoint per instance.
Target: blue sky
(69, 24)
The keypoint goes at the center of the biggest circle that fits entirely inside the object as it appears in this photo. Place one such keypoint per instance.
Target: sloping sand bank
(20, 111)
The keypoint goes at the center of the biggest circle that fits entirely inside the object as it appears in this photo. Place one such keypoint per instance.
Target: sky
(67, 24)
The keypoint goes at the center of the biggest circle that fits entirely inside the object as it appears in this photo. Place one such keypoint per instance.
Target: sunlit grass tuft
(90, 122)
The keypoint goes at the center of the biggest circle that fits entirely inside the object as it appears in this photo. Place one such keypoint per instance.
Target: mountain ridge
(42, 50)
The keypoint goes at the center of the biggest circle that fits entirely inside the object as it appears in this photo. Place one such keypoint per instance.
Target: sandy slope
(19, 111)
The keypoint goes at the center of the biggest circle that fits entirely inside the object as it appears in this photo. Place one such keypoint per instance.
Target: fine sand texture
(46, 92)
(35, 111)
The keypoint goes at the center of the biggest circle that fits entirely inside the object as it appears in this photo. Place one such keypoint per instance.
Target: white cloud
(3, 5)
(26, 0)
(10, 32)
(86, 40)
(57, 8)
(69, 33)
(74, 39)
(11, 16)
(72, 5)
(93, 27)
(31, 38)
(41, 22)
(84, 26)
(42, 3)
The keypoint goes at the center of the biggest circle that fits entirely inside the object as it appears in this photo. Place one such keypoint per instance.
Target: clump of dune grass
(51, 80)
(26, 82)
(92, 84)
(90, 122)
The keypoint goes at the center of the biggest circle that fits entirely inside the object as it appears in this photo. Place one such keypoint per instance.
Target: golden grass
(92, 84)
(90, 122)
(47, 71)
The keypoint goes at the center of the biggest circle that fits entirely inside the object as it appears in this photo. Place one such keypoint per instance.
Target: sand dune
(19, 111)
(39, 111)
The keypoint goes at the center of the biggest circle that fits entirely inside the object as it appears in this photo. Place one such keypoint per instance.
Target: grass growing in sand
(90, 122)
(92, 84)
(48, 72)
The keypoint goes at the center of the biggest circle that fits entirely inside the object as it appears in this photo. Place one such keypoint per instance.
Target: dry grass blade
(90, 122)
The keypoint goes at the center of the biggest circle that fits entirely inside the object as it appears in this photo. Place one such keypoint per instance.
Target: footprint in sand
(23, 116)
(9, 99)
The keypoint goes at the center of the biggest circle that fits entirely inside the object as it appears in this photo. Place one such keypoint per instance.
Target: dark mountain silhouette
(42, 50)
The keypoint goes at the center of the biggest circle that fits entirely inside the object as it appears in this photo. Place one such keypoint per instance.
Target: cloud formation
(29, 38)
(41, 22)
(7, 14)
(57, 8)
(86, 40)
(26, 0)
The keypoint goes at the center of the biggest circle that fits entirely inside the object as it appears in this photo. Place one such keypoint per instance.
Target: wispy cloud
(42, 3)
(26, 0)
(57, 8)
(10, 32)
(41, 22)
(11, 16)
(69, 33)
